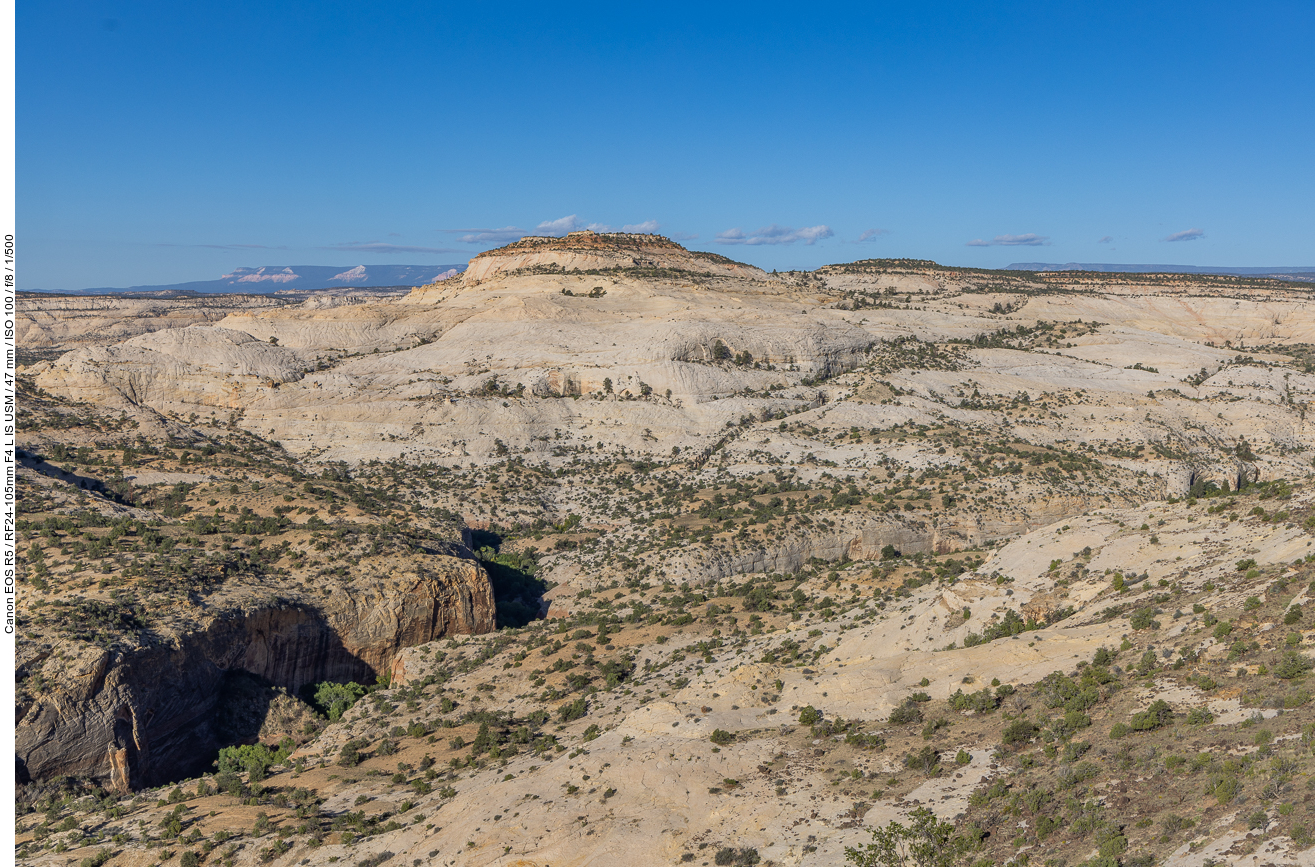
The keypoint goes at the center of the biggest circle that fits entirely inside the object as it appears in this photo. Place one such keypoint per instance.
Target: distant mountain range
(1284, 273)
(275, 278)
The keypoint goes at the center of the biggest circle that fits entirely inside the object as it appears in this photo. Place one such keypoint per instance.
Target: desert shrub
(1057, 690)
(1076, 775)
(981, 701)
(809, 716)
(1019, 732)
(906, 713)
(862, 741)
(925, 842)
(926, 760)
(334, 699)
(1141, 619)
(572, 710)
(1292, 665)
(255, 759)
(1075, 750)
(1224, 787)
(721, 737)
(1157, 715)
(350, 755)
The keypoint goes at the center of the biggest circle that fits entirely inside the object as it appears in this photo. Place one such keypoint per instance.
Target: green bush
(1291, 666)
(809, 716)
(1224, 787)
(906, 713)
(334, 699)
(1141, 619)
(721, 737)
(927, 760)
(982, 701)
(1157, 715)
(572, 710)
(1019, 732)
(350, 755)
(255, 759)
(925, 842)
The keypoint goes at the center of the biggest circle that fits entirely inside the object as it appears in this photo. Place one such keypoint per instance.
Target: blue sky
(164, 142)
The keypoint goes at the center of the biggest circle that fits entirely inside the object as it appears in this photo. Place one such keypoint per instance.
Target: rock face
(144, 716)
(216, 365)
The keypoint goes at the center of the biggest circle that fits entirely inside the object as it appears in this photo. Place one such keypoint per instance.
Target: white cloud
(683, 236)
(1186, 235)
(775, 234)
(647, 227)
(561, 226)
(1027, 240)
(872, 234)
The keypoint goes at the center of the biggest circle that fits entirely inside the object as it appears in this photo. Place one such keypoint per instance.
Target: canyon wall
(146, 715)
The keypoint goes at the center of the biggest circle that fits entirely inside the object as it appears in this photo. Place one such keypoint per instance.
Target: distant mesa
(303, 278)
(1287, 272)
(587, 250)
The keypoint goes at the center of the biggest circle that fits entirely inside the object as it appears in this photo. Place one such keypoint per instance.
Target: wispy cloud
(1028, 240)
(775, 234)
(1108, 239)
(560, 226)
(683, 236)
(872, 234)
(1186, 235)
(380, 247)
(647, 227)
(504, 235)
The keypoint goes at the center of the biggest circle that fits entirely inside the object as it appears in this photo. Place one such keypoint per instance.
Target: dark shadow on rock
(164, 712)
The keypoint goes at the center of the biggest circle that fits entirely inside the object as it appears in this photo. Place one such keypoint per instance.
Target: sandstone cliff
(147, 714)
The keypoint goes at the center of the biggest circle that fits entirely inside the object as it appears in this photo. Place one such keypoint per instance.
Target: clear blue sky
(162, 142)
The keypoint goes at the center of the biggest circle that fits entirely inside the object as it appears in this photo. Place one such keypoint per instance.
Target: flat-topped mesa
(596, 251)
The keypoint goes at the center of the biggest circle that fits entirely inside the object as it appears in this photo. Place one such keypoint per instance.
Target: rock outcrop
(146, 715)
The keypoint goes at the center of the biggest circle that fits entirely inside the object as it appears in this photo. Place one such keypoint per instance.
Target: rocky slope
(139, 715)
